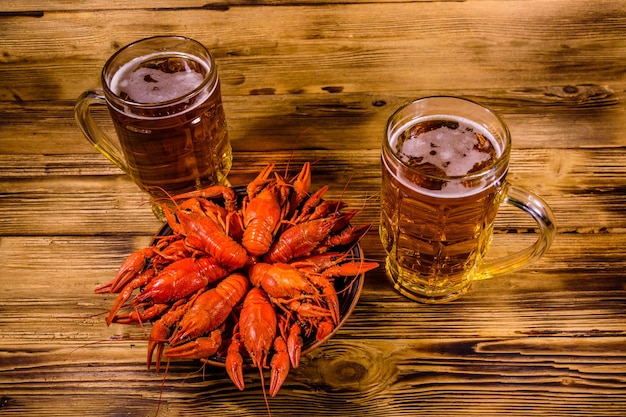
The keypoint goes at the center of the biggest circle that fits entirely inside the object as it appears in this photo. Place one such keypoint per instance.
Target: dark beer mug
(163, 95)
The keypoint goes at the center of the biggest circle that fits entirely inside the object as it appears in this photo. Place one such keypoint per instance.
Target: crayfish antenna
(167, 367)
(267, 403)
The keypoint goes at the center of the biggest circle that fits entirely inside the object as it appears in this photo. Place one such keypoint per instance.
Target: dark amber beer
(444, 163)
(164, 98)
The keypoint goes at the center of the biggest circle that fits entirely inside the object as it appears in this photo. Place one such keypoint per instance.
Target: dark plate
(348, 291)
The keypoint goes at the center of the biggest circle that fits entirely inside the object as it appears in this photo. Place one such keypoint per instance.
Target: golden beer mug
(444, 167)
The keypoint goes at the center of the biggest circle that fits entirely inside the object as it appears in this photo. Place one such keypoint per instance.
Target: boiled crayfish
(241, 279)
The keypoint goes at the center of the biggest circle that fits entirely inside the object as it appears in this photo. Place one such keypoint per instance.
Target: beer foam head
(444, 149)
(156, 80)
(452, 147)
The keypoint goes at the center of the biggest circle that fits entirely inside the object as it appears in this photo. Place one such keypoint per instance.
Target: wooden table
(316, 81)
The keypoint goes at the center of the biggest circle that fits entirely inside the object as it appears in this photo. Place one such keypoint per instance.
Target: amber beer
(164, 98)
(444, 162)
(175, 148)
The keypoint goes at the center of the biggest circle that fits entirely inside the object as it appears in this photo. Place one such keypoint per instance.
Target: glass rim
(503, 157)
(210, 76)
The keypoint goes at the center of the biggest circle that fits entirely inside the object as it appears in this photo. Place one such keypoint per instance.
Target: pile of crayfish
(243, 279)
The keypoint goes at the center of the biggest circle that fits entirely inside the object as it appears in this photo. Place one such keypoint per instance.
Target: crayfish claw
(161, 330)
(158, 346)
(260, 181)
(234, 363)
(294, 345)
(324, 329)
(133, 265)
(350, 269)
(213, 191)
(279, 366)
(301, 185)
(309, 204)
(125, 294)
(200, 348)
(332, 301)
(348, 236)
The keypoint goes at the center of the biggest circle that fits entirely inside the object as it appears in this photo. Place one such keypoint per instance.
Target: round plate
(348, 291)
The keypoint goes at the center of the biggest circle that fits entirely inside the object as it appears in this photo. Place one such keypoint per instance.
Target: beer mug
(163, 95)
(444, 167)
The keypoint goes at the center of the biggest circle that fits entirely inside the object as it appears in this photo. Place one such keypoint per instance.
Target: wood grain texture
(316, 81)
(409, 45)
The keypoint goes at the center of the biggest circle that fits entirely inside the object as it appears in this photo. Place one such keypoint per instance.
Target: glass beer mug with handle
(163, 95)
(444, 167)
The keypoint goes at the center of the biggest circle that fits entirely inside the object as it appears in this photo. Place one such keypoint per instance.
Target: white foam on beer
(149, 85)
(451, 150)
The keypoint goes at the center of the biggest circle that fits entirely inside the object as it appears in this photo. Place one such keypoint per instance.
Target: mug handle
(100, 140)
(541, 212)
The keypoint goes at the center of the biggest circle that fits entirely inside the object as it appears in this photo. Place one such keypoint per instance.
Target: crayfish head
(257, 272)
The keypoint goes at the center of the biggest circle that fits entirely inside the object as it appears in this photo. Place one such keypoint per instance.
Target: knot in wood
(348, 372)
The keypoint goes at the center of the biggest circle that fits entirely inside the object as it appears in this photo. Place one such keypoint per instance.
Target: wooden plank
(318, 122)
(397, 47)
(35, 8)
(485, 383)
